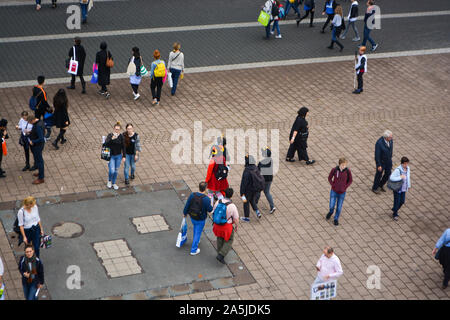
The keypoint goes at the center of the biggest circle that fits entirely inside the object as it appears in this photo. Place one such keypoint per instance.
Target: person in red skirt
(216, 176)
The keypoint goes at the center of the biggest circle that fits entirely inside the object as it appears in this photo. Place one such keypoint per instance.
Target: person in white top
(328, 267)
(25, 127)
(176, 65)
(30, 223)
(337, 24)
(2, 286)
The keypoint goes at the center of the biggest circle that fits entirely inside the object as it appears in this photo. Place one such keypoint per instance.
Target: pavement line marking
(243, 66)
(194, 28)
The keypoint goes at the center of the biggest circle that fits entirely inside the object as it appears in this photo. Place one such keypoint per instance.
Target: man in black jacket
(37, 144)
(298, 138)
(249, 193)
(80, 56)
(32, 271)
(383, 158)
(42, 105)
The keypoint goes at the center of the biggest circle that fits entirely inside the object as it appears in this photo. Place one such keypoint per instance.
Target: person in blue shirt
(197, 206)
(329, 7)
(443, 245)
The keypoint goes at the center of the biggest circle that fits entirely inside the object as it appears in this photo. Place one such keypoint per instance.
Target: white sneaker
(115, 186)
(109, 184)
(195, 253)
(278, 36)
(272, 32)
(137, 96)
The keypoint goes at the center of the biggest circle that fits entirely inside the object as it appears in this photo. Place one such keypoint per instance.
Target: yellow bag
(182, 75)
(160, 70)
(291, 1)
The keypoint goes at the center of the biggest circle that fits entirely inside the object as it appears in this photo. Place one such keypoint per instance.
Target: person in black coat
(61, 116)
(384, 148)
(37, 143)
(247, 189)
(104, 71)
(298, 138)
(80, 56)
(42, 105)
(32, 271)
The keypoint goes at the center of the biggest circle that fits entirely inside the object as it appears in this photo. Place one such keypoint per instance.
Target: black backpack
(258, 182)
(195, 209)
(222, 172)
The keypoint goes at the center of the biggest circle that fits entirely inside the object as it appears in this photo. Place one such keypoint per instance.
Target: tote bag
(73, 64)
(264, 18)
(131, 70)
(182, 235)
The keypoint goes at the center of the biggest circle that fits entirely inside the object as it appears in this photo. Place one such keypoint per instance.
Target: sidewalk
(407, 95)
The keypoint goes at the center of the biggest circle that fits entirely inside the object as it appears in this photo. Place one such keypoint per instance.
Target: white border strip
(193, 28)
(242, 66)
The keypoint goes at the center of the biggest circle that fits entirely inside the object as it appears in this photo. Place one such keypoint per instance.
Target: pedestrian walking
(2, 285)
(135, 77)
(269, 8)
(266, 168)
(328, 267)
(384, 148)
(157, 74)
(115, 141)
(368, 28)
(309, 7)
(340, 178)
(175, 65)
(104, 59)
(442, 253)
(61, 115)
(78, 53)
(30, 224)
(252, 183)
(85, 7)
(38, 4)
(294, 4)
(338, 25)
(25, 129)
(217, 173)
(37, 143)
(360, 68)
(3, 137)
(329, 7)
(225, 232)
(197, 206)
(32, 271)
(352, 17)
(41, 98)
(132, 151)
(401, 173)
(277, 17)
(298, 138)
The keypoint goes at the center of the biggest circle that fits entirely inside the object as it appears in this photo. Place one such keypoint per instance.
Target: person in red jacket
(216, 176)
(340, 179)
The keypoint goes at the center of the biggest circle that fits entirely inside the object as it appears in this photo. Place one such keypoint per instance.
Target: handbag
(131, 69)
(182, 235)
(4, 149)
(46, 241)
(73, 64)
(94, 78)
(106, 153)
(264, 18)
(169, 77)
(109, 61)
(394, 185)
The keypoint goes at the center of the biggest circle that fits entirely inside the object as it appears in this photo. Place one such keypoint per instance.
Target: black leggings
(135, 88)
(60, 136)
(156, 83)
(329, 18)
(306, 14)
(26, 149)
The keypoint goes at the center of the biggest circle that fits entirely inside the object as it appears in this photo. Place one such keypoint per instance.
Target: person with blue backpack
(38, 101)
(225, 215)
(197, 206)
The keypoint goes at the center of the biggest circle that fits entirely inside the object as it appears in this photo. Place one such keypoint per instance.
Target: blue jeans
(268, 29)
(276, 25)
(33, 235)
(175, 76)
(353, 25)
(288, 7)
(129, 162)
(198, 229)
(267, 194)
(29, 290)
(114, 165)
(333, 34)
(38, 159)
(340, 201)
(399, 200)
(367, 37)
(84, 11)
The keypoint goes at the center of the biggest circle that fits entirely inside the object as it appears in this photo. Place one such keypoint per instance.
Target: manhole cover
(67, 230)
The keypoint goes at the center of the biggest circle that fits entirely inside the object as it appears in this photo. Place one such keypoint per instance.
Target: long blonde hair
(339, 11)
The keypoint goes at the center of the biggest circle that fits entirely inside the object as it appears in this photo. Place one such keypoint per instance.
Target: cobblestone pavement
(407, 95)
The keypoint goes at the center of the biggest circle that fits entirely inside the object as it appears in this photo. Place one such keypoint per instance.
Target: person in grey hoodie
(352, 17)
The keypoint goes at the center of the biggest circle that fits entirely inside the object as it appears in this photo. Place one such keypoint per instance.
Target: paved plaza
(408, 95)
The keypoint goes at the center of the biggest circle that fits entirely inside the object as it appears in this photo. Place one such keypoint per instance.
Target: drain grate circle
(67, 230)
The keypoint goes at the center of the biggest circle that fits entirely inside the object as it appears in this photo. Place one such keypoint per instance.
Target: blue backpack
(282, 13)
(33, 101)
(220, 213)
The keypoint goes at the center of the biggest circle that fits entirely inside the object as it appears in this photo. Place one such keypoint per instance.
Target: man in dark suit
(383, 157)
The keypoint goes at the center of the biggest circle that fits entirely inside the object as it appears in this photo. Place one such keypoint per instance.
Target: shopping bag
(182, 235)
(131, 69)
(46, 241)
(73, 67)
(144, 70)
(169, 77)
(106, 153)
(94, 78)
(90, 5)
(264, 18)
(4, 149)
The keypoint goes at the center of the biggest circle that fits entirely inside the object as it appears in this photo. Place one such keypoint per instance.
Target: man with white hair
(383, 159)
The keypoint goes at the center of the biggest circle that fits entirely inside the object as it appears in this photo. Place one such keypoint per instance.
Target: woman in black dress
(104, 71)
(61, 116)
(298, 138)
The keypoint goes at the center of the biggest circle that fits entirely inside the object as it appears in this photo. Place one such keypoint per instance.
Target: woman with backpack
(32, 271)
(115, 141)
(216, 175)
(157, 75)
(29, 223)
(132, 151)
(175, 65)
(135, 79)
(61, 116)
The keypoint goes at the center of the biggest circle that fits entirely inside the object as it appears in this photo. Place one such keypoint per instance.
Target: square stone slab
(149, 224)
